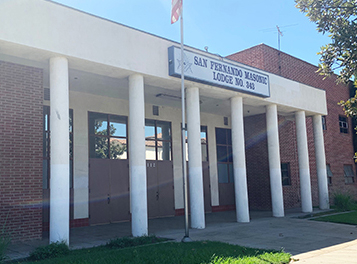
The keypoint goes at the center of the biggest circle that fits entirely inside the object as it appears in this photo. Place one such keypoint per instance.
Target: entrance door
(152, 190)
(160, 184)
(166, 188)
(119, 190)
(225, 167)
(160, 188)
(206, 187)
(205, 171)
(99, 191)
(108, 191)
(108, 170)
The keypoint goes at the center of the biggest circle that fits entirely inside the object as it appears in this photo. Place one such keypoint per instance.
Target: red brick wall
(338, 146)
(288, 154)
(21, 100)
(257, 162)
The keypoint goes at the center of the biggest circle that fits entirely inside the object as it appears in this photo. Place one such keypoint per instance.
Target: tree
(116, 147)
(338, 18)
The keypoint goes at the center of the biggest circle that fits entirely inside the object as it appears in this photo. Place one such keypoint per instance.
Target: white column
(59, 186)
(195, 158)
(138, 186)
(276, 186)
(239, 166)
(321, 162)
(303, 155)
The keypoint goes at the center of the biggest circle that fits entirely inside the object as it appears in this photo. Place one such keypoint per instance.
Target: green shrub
(124, 242)
(4, 242)
(343, 201)
(52, 250)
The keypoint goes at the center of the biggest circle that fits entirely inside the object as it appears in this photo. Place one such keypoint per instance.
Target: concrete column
(59, 184)
(276, 187)
(239, 167)
(321, 162)
(137, 160)
(195, 158)
(304, 169)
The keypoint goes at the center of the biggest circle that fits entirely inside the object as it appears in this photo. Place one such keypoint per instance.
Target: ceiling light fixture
(169, 96)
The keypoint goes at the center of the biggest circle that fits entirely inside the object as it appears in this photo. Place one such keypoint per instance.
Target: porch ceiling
(213, 100)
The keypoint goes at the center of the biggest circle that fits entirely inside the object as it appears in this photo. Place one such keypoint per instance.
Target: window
(285, 174)
(204, 144)
(46, 148)
(343, 124)
(224, 155)
(349, 175)
(324, 127)
(107, 136)
(70, 148)
(157, 140)
(329, 174)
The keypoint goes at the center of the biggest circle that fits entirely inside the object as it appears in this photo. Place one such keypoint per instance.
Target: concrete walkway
(308, 241)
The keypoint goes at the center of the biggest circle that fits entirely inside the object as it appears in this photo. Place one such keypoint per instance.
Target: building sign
(207, 70)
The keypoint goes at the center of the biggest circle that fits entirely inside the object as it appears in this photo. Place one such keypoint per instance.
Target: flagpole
(186, 238)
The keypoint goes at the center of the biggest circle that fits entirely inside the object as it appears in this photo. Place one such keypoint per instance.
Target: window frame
(229, 154)
(157, 140)
(92, 136)
(343, 124)
(328, 172)
(349, 177)
(323, 120)
(288, 177)
(71, 148)
(203, 129)
(46, 141)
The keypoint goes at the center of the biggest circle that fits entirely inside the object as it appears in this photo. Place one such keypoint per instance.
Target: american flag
(176, 10)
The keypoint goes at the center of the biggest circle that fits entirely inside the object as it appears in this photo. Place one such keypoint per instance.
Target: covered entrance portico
(226, 103)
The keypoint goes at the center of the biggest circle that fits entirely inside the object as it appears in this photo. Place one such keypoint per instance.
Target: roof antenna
(279, 34)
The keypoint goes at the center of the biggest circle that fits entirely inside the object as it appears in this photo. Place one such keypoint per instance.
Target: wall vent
(155, 110)
(46, 94)
(225, 121)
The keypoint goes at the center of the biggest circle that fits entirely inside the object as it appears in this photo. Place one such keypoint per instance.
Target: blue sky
(225, 26)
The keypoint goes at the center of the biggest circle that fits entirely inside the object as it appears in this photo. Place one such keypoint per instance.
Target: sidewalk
(341, 253)
(308, 241)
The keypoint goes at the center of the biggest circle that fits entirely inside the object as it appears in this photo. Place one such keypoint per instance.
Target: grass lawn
(343, 218)
(173, 252)
(317, 214)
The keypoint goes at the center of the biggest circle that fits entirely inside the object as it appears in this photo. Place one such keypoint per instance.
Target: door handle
(157, 196)
(108, 199)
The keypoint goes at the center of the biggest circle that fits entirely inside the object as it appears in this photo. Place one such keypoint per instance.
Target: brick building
(338, 129)
(91, 127)
(21, 93)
